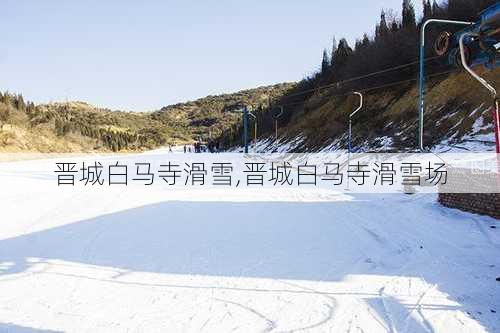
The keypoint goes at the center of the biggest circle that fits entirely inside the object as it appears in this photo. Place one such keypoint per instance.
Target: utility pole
(245, 128)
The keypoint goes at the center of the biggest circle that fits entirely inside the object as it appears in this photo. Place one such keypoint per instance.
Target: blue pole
(245, 128)
(350, 120)
(421, 93)
(350, 136)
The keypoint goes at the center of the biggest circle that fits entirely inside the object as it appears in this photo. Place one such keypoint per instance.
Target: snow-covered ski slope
(148, 260)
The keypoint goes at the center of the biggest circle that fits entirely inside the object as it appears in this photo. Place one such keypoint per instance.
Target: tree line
(114, 130)
(395, 42)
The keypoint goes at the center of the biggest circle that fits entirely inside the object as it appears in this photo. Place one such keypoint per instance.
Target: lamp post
(245, 128)
(360, 106)
(276, 121)
(350, 120)
(255, 128)
(245, 113)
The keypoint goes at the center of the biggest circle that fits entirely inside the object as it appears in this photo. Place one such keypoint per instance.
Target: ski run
(150, 260)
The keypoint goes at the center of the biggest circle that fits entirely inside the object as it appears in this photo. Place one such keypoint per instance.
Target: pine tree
(30, 109)
(334, 49)
(382, 30)
(358, 45)
(436, 10)
(427, 9)
(325, 63)
(408, 14)
(20, 105)
(366, 40)
(4, 115)
(6, 98)
(342, 54)
(394, 25)
(58, 126)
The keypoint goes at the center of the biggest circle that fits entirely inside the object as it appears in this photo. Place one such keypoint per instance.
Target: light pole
(422, 73)
(255, 128)
(245, 112)
(350, 131)
(245, 128)
(276, 121)
(350, 120)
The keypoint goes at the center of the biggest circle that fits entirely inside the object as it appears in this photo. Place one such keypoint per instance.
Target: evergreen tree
(30, 109)
(58, 125)
(325, 62)
(382, 30)
(394, 25)
(4, 114)
(366, 40)
(358, 45)
(342, 54)
(408, 14)
(334, 49)
(427, 9)
(6, 98)
(436, 10)
(20, 105)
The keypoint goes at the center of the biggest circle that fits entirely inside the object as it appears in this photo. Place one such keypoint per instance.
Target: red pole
(496, 122)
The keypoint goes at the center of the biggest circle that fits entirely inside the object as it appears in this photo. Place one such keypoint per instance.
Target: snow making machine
(481, 46)
(476, 45)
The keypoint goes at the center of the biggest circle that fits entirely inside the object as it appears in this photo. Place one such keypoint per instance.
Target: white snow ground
(150, 260)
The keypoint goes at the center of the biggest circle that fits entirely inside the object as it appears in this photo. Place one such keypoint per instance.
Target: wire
(386, 70)
(410, 80)
(380, 86)
(362, 77)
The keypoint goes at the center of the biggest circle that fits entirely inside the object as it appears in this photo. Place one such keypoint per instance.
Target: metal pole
(255, 128)
(496, 122)
(245, 128)
(349, 148)
(485, 83)
(255, 131)
(276, 121)
(468, 69)
(421, 88)
(350, 135)
(350, 118)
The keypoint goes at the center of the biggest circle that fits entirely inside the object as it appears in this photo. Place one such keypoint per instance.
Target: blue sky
(141, 55)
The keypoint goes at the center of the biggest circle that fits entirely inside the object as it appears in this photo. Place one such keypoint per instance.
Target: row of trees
(395, 42)
(114, 130)
(8, 102)
(16, 101)
(109, 128)
(11, 102)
